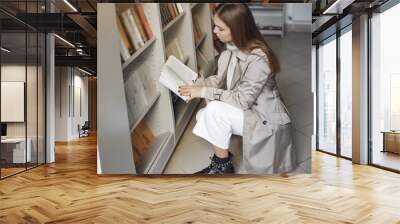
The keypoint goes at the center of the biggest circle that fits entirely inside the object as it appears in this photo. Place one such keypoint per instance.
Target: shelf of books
(141, 119)
(135, 55)
(179, 42)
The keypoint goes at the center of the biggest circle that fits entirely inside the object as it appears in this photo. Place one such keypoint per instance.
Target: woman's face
(222, 30)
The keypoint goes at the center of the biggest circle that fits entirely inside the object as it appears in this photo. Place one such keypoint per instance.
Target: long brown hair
(245, 34)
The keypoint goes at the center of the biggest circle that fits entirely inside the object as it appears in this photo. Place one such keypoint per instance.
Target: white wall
(80, 118)
(17, 72)
(33, 126)
(62, 81)
(68, 80)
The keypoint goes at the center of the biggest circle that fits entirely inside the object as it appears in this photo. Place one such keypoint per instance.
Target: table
(13, 150)
(391, 141)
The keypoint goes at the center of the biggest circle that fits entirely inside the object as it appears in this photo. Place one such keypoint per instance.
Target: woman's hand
(190, 91)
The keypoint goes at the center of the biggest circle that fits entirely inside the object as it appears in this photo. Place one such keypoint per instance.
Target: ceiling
(76, 22)
(325, 24)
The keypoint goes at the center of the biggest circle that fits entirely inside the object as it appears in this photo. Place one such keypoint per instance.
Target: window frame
(334, 37)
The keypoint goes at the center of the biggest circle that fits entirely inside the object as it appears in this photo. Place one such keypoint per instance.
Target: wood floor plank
(70, 191)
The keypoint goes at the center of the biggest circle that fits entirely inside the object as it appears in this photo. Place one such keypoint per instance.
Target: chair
(84, 130)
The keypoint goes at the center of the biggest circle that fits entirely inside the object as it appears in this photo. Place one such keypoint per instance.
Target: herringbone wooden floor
(70, 191)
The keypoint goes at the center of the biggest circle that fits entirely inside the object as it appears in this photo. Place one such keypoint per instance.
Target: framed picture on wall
(12, 101)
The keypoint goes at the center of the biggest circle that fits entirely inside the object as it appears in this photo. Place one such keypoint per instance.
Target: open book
(174, 74)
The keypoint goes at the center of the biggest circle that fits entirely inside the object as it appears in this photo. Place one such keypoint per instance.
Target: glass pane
(31, 88)
(41, 99)
(13, 87)
(31, 98)
(327, 97)
(385, 86)
(346, 94)
(22, 79)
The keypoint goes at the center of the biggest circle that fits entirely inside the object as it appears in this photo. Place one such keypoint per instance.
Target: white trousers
(217, 122)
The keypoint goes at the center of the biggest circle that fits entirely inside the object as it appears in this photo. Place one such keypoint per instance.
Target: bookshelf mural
(150, 118)
(140, 120)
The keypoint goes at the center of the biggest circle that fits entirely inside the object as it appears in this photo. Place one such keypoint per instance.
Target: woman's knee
(211, 110)
(199, 114)
(215, 107)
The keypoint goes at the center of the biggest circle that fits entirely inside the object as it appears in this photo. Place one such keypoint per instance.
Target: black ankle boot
(219, 166)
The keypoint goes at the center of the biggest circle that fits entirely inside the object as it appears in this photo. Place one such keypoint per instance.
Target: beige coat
(267, 139)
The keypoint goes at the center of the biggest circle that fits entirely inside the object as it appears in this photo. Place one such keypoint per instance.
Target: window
(385, 87)
(346, 75)
(394, 117)
(326, 136)
(22, 77)
(334, 106)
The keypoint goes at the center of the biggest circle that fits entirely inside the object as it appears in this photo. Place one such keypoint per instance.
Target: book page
(172, 81)
(181, 70)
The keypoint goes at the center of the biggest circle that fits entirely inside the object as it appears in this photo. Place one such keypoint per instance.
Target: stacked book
(141, 138)
(134, 30)
(198, 33)
(169, 11)
(140, 90)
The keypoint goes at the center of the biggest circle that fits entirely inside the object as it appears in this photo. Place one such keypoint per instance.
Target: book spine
(212, 7)
(142, 137)
(168, 15)
(136, 34)
(129, 28)
(180, 8)
(196, 34)
(163, 16)
(124, 51)
(139, 25)
(146, 132)
(123, 36)
(171, 10)
(149, 85)
(145, 22)
(175, 8)
(197, 29)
